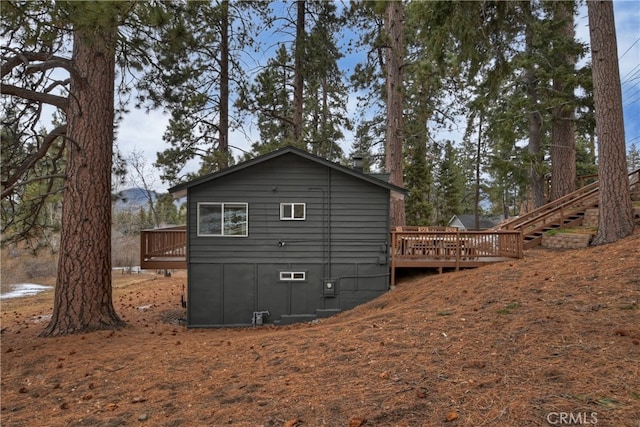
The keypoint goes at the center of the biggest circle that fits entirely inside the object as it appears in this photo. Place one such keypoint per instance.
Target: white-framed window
(293, 276)
(293, 211)
(223, 219)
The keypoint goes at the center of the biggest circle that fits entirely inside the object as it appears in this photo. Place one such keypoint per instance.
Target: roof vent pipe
(358, 162)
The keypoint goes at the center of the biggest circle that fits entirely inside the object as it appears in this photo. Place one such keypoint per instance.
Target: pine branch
(56, 101)
(46, 62)
(12, 182)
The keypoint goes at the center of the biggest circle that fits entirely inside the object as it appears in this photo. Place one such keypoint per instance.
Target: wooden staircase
(534, 238)
(565, 212)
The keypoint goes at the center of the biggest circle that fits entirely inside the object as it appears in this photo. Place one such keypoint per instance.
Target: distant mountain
(133, 199)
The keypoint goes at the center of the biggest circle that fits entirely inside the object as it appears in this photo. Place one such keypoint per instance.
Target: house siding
(344, 238)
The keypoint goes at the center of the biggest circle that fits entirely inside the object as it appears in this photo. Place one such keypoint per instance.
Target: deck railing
(418, 242)
(164, 248)
(439, 247)
(447, 247)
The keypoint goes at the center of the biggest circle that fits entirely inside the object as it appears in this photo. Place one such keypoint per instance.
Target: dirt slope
(515, 344)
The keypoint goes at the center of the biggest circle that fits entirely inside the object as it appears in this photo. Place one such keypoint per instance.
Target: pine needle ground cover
(554, 335)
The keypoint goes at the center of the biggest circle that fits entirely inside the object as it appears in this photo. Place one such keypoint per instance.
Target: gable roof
(469, 221)
(180, 189)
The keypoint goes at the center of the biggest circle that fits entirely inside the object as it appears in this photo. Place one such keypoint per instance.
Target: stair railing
(580, 197)
(561, 207)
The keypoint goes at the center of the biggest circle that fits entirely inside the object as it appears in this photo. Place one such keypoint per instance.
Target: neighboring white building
(468, 222)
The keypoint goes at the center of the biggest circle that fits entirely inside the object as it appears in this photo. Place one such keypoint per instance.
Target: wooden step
(534, 238)
(532, 243)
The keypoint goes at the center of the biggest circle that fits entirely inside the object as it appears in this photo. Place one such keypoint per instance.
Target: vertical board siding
(345, 235)
(239, 294)
(204, 295)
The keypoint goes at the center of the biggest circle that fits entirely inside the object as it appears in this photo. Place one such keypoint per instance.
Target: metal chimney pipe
(358, 162)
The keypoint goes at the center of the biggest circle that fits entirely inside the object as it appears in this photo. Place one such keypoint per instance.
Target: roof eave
(182, 188)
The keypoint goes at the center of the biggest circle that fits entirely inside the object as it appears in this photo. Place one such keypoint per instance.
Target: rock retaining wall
(590, 218)
(567, 240)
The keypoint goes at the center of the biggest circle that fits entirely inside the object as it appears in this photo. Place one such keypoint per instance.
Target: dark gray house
(283, 238)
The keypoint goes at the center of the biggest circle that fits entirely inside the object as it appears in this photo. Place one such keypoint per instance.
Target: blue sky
(627, 16)
(143, 132)
(628, 31)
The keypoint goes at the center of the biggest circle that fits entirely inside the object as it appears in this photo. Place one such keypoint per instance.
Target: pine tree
(615, 219)
(326, 94)
(270, 102)
(421, 93)
(507, 54)
(299, 70)
(418, 180)
(563, 136)
(198, 70)
(368, 79)
(394, 54)
(302, 103)
(168, 211)
(32, 180)
(450, 185)
(80, 39)
(633, 158)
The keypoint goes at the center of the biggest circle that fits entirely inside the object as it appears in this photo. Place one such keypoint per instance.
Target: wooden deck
(164, 248)
(445, 247)
(414, 247)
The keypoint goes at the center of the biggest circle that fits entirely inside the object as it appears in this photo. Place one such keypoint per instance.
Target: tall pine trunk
(476, 195)
(563, 138)
(223, 137)
(615, 219)
(83, 299)
(394, 135)
(534, 148)
(298, 89)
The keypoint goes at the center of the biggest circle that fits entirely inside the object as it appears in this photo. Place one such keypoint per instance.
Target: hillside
(132, 199)
(513, 344)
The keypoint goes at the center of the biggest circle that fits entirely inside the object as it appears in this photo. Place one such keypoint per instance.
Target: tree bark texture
(83, 298)
(476, 195)
(534, 148)
(615, 219)
(563, 138)
(394, 135)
